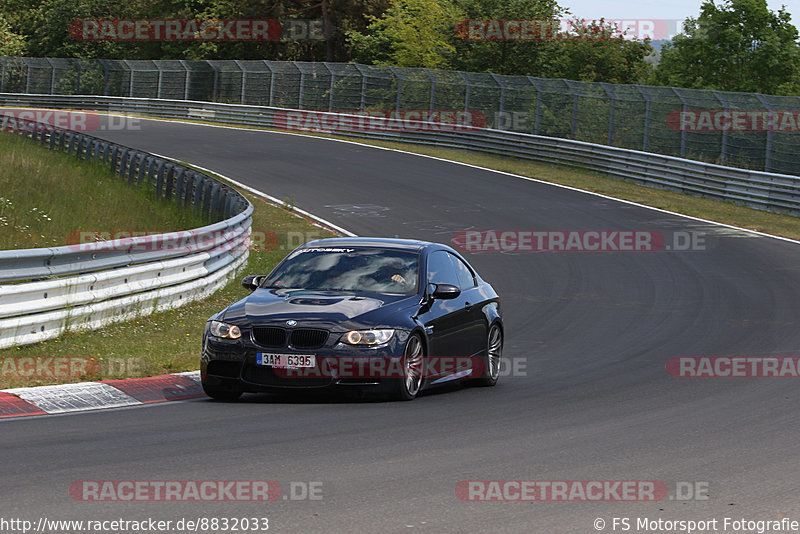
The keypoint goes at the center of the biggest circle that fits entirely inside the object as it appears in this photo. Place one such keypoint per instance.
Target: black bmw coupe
(388, 316)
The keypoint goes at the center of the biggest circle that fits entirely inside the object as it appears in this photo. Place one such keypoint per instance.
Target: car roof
(378, 242)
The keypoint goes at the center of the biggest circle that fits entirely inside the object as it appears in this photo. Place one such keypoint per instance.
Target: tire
(491, 361)
(408, 387)
(222, 394)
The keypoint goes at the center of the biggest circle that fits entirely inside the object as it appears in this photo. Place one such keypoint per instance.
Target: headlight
(367, 337)
(229, 331)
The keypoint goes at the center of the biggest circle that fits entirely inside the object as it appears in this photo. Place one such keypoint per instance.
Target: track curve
(595, 330)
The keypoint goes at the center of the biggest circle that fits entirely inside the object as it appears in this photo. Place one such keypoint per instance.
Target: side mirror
(445, 292)
(252, 281)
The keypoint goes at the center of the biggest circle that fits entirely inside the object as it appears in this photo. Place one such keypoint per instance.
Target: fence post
(186, 82)
(215, 87)
(52, 76)
(80, 72)
(333, 83)
(683, 131)
(243, 94)
(502, 106)
(610, 139)
(27, 77)
(574, 122)
(768, 148)
(399, 86)
(433, 90)
(467, 90)
(302, 85)
(158, 85)
(723, 151)
(646, 134)
(363, 104)
(271, 82)
(130, 85)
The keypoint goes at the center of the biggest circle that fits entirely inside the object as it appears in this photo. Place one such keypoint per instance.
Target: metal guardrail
(88, 285)
(756, 189)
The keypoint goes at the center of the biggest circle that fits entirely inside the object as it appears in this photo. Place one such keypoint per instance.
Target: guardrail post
(180, 177)
(133, 167)
(169, 182)
(160, 179)
(123, 162)
(215, 200)
(189, 188)
(142, 172)
(3, 77)
(199, 184)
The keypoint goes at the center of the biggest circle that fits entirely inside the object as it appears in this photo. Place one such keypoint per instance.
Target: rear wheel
(491, 362)
(222, 394)
(410, 383)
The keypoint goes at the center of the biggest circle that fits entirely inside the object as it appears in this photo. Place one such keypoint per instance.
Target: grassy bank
(46, 197)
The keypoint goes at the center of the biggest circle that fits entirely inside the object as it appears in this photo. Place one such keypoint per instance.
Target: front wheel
(491, 362)
(408, 386)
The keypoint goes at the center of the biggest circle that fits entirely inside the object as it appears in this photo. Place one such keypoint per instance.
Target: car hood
(332, 310)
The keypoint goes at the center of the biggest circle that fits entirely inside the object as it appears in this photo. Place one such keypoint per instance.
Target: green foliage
(11, 44)
(411, 33)
(422, 33)
(739, 45)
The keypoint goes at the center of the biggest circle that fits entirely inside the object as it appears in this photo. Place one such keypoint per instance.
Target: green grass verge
(45, 196)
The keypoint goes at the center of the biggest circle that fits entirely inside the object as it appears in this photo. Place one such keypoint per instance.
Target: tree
(739, 45)
(411, 33)
(599, 54)
(11, 43)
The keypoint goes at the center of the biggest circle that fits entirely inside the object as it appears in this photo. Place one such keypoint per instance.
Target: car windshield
(348, 269)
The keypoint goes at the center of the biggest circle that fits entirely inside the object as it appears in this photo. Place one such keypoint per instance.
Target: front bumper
(231, 364)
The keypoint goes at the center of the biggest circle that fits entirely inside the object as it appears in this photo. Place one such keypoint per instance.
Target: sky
(657, 9)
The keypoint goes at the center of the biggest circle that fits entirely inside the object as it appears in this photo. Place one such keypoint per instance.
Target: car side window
(465, 276)
(441, 270)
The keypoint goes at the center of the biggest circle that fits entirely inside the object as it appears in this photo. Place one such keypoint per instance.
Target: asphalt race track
(594, 331)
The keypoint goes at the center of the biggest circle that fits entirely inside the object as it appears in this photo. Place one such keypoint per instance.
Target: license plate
(286, 361)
